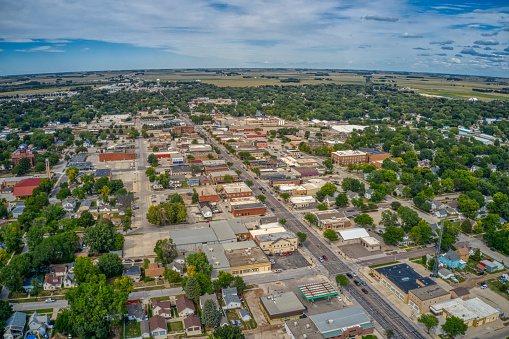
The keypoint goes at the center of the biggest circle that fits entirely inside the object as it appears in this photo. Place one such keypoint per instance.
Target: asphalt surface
(376, 306)
(39, 305)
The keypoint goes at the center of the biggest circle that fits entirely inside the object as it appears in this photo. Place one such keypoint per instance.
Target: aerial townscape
(256, 169)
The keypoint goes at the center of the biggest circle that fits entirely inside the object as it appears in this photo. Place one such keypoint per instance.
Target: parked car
(339, 298)
(50, 300)
(356, 282)
(233, 322)
(353, 274)
(284, 253)
(138, 260)
(128, 260)
(363, 282)
(349, 275)
(289, 253)
(239, 323)
(324, 257)
(321, 259)
(364, 290)
(492, 249)
(483, 285)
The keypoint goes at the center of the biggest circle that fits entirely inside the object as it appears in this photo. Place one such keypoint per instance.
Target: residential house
(133, 272)
(69, 203)
(231, 298)
(464, 253)
(243, 314)
(162, 308)
(155, 270)
(369, 193)
(440, 213)
(192, 326)
(444, 273)
(206, 297)
(70, 268)
(460, 292)
(352, 195)
(39, 324)
(452, 260)
(158, 327)
(30, 283)
(135, 311)
(85, 205)
(59, 271)
(185, 307)
(145, 329)
(490, 266)
(69, 281)
(52, 282)
(177, 267)
(15, 325)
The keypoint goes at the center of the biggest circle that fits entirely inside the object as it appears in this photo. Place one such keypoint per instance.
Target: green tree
(63, 193)
(228, 332)
(85, 270)
(327, 163)
(12, 236)
(165, 250)
(389, 333)
(342, 200)
(322, 207)
(282, 221)
(409, 217)
(195, 197)
(210, 314)
(150, 171)
(152, 160)
(330, 234)
(393, 235)
(285, 196)
(124, 284)
(429, 321)
(249, 183)
(85, 220)
(228, 178)
(110, 265)
(363, 220)
(224, 279)
(454, 326)
(302, 236)
(342, 280)
(466, 226)
(171, 276)
(22, 167)
(156, 215)
(388, 218)
(311, 218)
(193, 289)
(105, 192)
(101, 237)
(200, 261)
(262, 198)
(5, 312)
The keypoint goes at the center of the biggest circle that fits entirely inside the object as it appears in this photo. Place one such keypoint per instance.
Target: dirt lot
(296, 260)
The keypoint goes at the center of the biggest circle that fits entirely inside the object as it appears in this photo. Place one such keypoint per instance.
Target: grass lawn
(146, 261)
(386, 264)
(132, 329)
(175, 326)
(499, 288)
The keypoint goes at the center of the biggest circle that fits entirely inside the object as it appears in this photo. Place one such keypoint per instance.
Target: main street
(380, 310)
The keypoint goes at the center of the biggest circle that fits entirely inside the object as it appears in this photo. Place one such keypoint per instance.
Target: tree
(330, 234)
(327, 163)
(110, 265)
(342, 280)
(229, 163)
(389, 333)
(409, 217)
(200, 261)
(328, 189)
(322, 207)
(193, 289)
(302, 236)
(249, 183)
(477, 255)
(224, 279)
(210, 314)
(239, 283)
(34, 236)
(71, 173)
(228, 332)
(5, 312)
(285, 196)
(195, 197)
(228, 178)
(466, 226)
(388, 218)
(311, 218)
(85, 220)
(165, 250)
(428, 320)
(152, 160)
(63, 193)
(105, 191)
(124, 284)
(261, 197)
(85, 270)
(393, 235)
(101, 237)
(12, 236)
(156, 215)
(22, 167)
(454, 326)
(150, 171)
(282, 221)
(363, 220)
(342, 200)
(171, 276)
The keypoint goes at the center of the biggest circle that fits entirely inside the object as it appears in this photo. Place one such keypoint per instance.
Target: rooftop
(348, 153)
(404, 277)
(281, 303)
(317, 290)
(223, 173)
(429, 292)
(353, 233)
(244, 257)
(302, 199)
(333, 323)
(102, 172)
(466, 309)
(275, 236)
(237, 187)
(215, 255)
(192, 236)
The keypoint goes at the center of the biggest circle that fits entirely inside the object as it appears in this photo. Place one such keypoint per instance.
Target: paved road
(399, 256)
(156, 293)
(376, 306)
(39, 305)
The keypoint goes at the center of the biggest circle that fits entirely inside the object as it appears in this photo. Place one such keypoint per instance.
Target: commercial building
(284, 181)
(317, 290)
(341, 324)
(359, 236)
(180, 170)
(292, 189)
(332, 219)
(420, 299)
(206, 193)
(25, 187)
(104, 172)
(474, 312)
(246, 261)
(281, 306)
(241, 207)
(303, 202)
(219, 177)
(279, 242)
(260, 144)
(117, 156)
(343, 158)
(236, 190)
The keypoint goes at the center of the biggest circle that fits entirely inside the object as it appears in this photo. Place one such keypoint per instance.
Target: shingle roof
(157, 322)
(452, 256)
(192, 321)
(183, 302)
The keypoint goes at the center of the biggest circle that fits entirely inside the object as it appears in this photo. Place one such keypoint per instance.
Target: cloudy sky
(458, 37)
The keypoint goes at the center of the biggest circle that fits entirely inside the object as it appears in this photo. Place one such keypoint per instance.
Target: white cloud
(456, 60)
(41, 49)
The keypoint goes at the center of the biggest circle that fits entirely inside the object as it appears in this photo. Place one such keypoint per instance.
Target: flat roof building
(332, 219)
(193, 239)
(341, 324)
(246, 261)
(281, 305)
(303, 202)
(421, 299)
(474, 312)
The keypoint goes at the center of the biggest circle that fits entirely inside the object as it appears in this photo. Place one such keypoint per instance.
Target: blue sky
(458, 37)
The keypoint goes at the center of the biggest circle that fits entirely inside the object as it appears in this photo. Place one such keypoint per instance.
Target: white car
(50, 300)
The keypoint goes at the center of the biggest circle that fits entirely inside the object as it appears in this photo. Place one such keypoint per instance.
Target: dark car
(324, 257)
(492, 249)
(349, 275)
(272, 208)
(365, 291)
(356, 282)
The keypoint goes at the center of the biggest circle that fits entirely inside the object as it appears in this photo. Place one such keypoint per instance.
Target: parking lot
(288, 262)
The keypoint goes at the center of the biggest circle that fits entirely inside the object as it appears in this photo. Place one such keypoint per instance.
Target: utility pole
(435, 266)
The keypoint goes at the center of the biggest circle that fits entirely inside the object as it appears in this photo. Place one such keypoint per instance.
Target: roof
(192, 236)
(223, 173)
(325, 215)
(302, 199)
(191, 322)
(18, 319)
(28, 282)
(26, 186)
(348, 153)
(317, 290)
(144, 326)
(154, 270)
(246, 257)
(215, 255)
(460, 291)
(180, 169)
(353, 233)
(462, 251)
(275, 236)
(157, 322)
(466, 309)
(247, 206)
(132, 270)
(102, 172)
(223, 230)
(404, 277)
(429, 292)
(282, 303)
(330, 323)
(452, 256)
(183, 302)
(237, 187)
(208, 296)
(135, 310)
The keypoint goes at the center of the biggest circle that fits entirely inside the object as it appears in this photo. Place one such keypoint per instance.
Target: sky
(455, 37)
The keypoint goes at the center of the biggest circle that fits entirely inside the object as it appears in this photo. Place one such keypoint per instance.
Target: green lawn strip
(385, 264)
(132, 329)
(175, 326)
(498, 288)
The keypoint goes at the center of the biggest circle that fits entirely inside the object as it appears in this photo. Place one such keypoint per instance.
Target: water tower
(158, 82)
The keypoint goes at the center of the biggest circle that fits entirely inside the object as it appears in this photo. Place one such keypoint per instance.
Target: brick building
(237, 190)
(343, 158)
(207, 193)
(116, 156)
(260, 144)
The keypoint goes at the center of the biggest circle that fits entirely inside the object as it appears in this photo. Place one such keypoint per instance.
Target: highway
(379, 310)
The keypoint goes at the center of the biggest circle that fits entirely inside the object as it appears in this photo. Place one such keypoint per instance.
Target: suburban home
(444, 273)
(243, 314)
(158, 327)
(369, 193)
(59, 271)
(133, 272)
(223, 321)
(30, 283)
(231, 298)
(162, 308)
(145, 329)
(452, 260)
(15, 326)
(69, 281)
(440, 213)
(135, 311)
(192, 326)
(155, 270)
(52, 282)
(206, 297)
(185, 307)
(69, 203)
(491, 266)
(352, 195)
(177, 267)
(464, 253)
(39, 324)
(70, 268)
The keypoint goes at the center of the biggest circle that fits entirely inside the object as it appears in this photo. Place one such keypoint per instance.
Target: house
(155, 270)
(134, 272)
(39, 324)
(177, 267)
(185, 306)
(15, 326)
(162, 308)
(444, 273)
(52, 282)
(223, 321)
(158, 327)
(192, 326)
(464, 253)
(30, 283)
(489, 266)
(440, 213)
(452, 260)
(145, 329)
(69, 281)
(369, 193)
(85, 205)
(17, 212)
(352, 195)
(460, 292)
(231, 298)
(135, 311)
(70, 268)
(206, 297)
(243, 314)
(69, 203)
(59, 271)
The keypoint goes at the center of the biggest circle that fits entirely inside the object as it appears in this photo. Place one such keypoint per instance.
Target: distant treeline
(504, 90)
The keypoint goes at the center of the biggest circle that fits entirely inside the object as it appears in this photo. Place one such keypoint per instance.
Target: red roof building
(25, 187)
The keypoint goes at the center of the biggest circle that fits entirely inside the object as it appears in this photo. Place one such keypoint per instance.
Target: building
(52, 282)
(243, 314)
(460, 292)
(162, 308)
(25, 187)
(100, 173)
(302, 328)
(343, 158)
(318, 290)
(155, 270)
(39, 324)
(20, 154)
(452, 259)
(158, 327)
(246, 261)
(474, 312)
(30, 283)
(145, 329)
(192, 326)
(342, 324)
(284, 181)
(135, 311)
(236, 190)
(260, 144)
(464, 253)
(206, 297)
(133, 272)
(303, 202)
(247, 206)
(185, 307)
(118, 155)
(205, 209)
(219, 177)
(280, 242)
(180, 170)
(231, 298)
(15, 325)
(281, 306)
(191, 239)
(332, 219)
(420, 299)
(400, 279)
(292, 189)
(207, 193)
